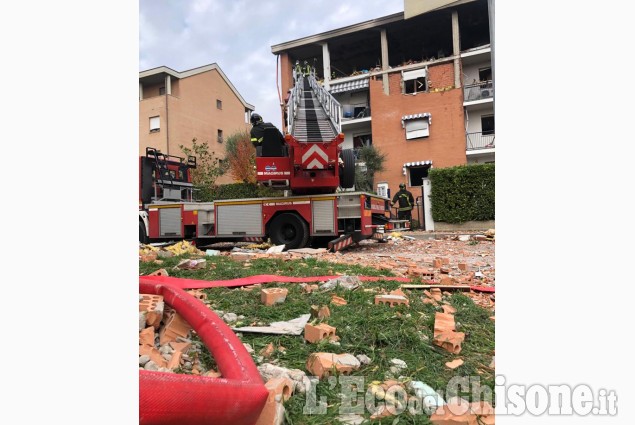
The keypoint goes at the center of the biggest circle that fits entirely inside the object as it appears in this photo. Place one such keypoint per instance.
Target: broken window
(415, 81)
(417, 174)
(487, 124)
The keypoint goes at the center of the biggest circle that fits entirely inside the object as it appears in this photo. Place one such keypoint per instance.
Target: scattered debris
(271, 296)
(324, 364)
(430, 398)
(275, 249)
(351, 419)
(347, 282)
(301, 382)
(454, 363)
(319, 332)
(445, 335)
(188, 264)
(290, 327)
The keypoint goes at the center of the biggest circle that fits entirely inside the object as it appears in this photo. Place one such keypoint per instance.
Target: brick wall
(445, 146)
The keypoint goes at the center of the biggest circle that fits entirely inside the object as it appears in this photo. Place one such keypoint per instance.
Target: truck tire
(143, 238)
(290, 230)
(347, 173)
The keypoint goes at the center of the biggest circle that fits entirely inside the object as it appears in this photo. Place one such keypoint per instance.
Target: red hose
(168, 398)
(267, 278)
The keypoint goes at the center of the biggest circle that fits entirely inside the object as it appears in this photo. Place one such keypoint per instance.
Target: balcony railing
(475, 141)
(478, 91)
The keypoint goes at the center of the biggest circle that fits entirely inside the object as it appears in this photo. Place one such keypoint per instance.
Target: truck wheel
(289, 230)
(143, 238)
(347, 174)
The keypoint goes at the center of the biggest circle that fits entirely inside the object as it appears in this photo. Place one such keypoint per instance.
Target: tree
(241, 157)
(208, 169)
(373, 160)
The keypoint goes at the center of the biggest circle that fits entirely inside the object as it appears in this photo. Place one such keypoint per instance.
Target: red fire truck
(307, 163)
(168, 211)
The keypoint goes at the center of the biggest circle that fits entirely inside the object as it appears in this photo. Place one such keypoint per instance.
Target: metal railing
(330, 105)
(479, 140)
(478, 91)
(293, 103)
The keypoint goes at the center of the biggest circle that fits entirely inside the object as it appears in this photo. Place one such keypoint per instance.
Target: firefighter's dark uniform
(257, 134)
(406, 203)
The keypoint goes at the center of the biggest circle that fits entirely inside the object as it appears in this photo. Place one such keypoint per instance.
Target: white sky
(238, 35)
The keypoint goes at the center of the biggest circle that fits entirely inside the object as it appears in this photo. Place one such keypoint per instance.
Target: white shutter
(155, 124)
(417, 128)
(413, 75)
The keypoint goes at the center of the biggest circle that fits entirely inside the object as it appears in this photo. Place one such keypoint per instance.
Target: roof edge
(196, 71)
(316, 38)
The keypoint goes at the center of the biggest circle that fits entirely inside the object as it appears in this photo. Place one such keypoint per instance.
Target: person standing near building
(307, 69)
(257, 132)
(406, 203)
(297, 71)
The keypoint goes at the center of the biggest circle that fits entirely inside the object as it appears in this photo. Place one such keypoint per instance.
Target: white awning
(415, 164)
(413, 75)
(349, 86)
(416, 117)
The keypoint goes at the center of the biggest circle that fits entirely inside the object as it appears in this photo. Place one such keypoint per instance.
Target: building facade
(417, 85)
(177, 107)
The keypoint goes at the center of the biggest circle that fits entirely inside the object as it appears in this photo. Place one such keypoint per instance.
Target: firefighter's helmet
(255, 119)
(402, 185)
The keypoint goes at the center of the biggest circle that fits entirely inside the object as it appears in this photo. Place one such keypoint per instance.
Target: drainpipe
(168, 90)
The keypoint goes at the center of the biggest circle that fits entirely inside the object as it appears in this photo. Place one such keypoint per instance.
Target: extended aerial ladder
(313, 161)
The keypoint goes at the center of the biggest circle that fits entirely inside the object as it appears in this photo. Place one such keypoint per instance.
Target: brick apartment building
(176, 107)
(418, 85)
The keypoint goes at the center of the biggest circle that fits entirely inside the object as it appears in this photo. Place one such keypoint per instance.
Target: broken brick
(338, 300)
(196, 293)
(175, 360)
(154, 354)
(175, 326)
(391, 300)
(454, 363)
(160, 272)
(146, 336)
(271, 296)
(324, 364)
(318, 332)
(321, 312)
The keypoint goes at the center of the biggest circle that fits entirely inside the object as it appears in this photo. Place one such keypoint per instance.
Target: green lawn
(380, 332)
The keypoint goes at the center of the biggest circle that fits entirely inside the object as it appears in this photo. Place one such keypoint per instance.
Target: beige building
(177, 107)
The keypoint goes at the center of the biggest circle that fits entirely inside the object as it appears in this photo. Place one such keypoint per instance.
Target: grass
(380, 332)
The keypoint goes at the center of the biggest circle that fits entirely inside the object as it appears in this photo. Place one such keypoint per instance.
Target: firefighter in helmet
(306, 69)
(406, 203)
(297, 71)
(257, 133)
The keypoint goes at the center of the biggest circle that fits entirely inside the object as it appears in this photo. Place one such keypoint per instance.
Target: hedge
(243, 191)
(462, 193)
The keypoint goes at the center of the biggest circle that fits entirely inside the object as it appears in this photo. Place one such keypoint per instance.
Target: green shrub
(243, 191)
(463, 193)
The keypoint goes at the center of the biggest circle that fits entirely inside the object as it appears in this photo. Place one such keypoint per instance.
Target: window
(414, 81)
(382, 190)
(220, 136)
(417, 174)
(417, 125)
(161, 91)
(417, 128)
(485, 74)
(219, 104)
(155, 124)
(487, 124)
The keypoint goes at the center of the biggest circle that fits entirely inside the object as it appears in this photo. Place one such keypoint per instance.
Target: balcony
(479, 141)
(483, 90)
